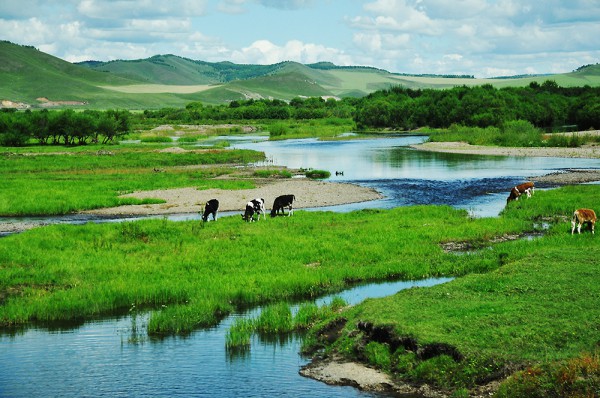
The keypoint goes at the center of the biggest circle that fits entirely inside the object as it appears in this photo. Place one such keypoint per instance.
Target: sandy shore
(309, 193)
(587, 151)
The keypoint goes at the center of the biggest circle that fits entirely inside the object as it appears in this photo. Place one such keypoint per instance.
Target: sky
(483, 38)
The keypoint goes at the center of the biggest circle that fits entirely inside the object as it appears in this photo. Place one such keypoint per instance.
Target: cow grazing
(211, 207)
(249, 212)
(281, 202)
(527, 188)
(259, 207)
(581, 216)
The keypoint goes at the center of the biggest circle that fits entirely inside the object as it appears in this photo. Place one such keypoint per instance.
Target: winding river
(112, 357)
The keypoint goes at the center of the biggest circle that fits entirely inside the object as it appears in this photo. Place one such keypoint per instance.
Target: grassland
(85, 178)
(538, 309)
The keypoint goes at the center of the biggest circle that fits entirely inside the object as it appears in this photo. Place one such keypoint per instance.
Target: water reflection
(111, 357)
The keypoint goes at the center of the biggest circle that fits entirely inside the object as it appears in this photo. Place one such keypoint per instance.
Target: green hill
(27, 74)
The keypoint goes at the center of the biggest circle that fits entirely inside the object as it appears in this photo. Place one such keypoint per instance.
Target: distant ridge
(33, 79)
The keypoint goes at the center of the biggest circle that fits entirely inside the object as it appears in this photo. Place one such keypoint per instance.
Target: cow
(525, 188)
(249, 212)
(281, 202)
(259, 207)
(211, 207)
(581, 216)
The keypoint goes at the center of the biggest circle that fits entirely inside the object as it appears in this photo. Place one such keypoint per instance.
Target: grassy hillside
(26, 74)
(172, 81)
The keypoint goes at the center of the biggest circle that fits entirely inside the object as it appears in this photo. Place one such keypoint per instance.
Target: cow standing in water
(525, 188)
(282, 202)
(211, 207)
(581, 216)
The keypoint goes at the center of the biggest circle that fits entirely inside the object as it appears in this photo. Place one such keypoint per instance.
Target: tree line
(545, 106)
(65, 127)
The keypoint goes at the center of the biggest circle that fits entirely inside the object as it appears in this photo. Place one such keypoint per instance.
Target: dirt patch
(46, 103)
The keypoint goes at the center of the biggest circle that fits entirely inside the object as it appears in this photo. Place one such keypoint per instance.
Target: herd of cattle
(580, 216)
(255, 207)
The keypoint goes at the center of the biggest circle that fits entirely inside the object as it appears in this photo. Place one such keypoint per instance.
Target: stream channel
(113, 357)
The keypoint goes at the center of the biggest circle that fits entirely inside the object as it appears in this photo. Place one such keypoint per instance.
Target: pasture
(83, 178)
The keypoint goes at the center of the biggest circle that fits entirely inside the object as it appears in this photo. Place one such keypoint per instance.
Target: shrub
(278, 130)
(318, 174)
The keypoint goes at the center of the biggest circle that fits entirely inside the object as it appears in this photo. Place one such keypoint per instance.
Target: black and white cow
(211, 207)
(249, 212)
(282, 202)
(259, 207)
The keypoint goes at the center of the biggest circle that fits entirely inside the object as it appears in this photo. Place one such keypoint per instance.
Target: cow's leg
(291, 211)
(579, 224)
(528, 192)
(573, 223)
(215, 215)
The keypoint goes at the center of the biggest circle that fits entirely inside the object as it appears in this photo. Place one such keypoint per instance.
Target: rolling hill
(31, 78)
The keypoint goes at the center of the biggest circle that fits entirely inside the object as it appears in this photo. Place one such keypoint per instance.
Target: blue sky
(484, 38)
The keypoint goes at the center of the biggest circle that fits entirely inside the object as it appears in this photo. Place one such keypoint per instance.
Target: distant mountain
(31, 78)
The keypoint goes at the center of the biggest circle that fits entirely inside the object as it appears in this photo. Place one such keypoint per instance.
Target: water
(112, 358)
(479, 184)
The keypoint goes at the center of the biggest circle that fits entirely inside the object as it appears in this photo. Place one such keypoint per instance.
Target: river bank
(309, 193)
(567, 177)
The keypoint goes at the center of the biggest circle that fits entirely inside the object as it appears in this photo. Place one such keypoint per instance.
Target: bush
(318, 174)
(278, 130)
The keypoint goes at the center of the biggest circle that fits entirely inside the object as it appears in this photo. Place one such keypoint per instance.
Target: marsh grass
(278, 320)
(310, 128)
(200, 274)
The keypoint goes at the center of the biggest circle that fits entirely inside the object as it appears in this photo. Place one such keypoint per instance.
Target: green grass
(514, 304)
(278, 319)
(94, 177)
(516, 133)
(199, 274)
(541, 305)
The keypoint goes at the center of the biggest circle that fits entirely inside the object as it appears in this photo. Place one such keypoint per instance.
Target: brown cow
(525, 188)
(581, 216)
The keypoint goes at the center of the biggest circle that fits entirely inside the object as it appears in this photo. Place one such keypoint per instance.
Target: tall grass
(279, 319)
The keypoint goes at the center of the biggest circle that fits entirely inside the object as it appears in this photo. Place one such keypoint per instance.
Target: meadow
(41, 181)
(537, 313)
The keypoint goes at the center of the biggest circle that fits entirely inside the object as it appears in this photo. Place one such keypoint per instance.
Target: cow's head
(514, 195)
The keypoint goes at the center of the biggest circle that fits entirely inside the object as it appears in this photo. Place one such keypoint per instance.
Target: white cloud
(265, 52)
